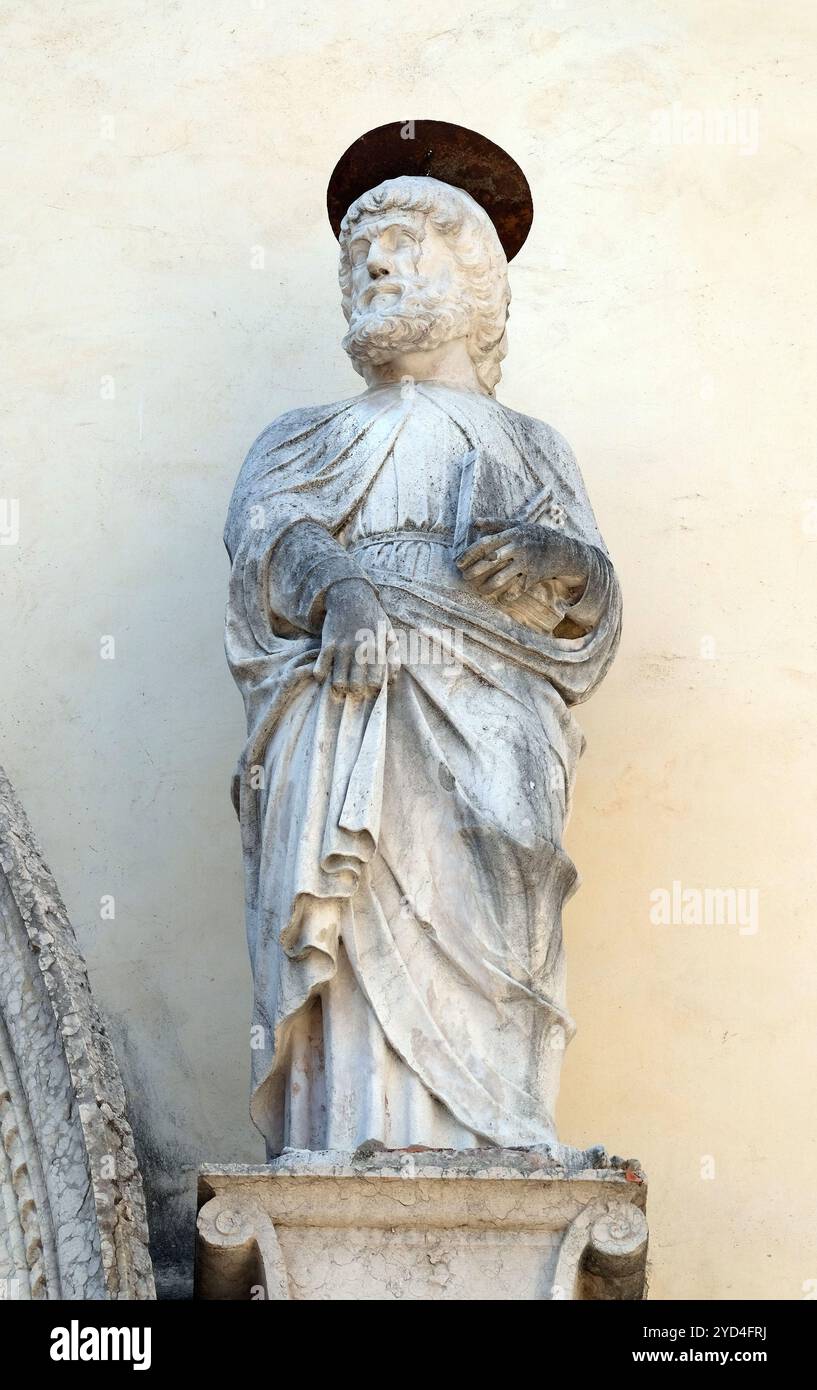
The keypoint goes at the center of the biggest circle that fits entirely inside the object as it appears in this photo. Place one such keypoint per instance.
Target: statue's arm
(591, 599)
(317, 586)
(303, 565)
(554, 573)
(573, 577)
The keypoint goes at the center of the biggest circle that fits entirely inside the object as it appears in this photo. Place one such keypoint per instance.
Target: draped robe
(403, 855)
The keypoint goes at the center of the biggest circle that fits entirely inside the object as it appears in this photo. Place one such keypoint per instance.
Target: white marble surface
(424, 1226)
(411, 749)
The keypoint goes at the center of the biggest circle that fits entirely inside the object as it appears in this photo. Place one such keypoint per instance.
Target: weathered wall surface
(170, 287)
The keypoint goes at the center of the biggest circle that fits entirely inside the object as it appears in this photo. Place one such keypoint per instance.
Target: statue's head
(421, 265)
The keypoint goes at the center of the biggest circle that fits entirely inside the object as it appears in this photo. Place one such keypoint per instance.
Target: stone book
(481, 500)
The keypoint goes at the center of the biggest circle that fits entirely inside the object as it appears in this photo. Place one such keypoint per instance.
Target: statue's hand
(502, 563)
(359, 649)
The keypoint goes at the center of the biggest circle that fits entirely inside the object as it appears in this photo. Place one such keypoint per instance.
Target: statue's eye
(359, 252)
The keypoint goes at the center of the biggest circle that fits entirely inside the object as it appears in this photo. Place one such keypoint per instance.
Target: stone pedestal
(429, 1224)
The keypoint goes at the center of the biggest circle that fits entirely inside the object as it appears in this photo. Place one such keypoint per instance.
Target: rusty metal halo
(438, 150)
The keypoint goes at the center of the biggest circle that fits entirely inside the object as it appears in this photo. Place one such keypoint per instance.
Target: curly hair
(476, 249)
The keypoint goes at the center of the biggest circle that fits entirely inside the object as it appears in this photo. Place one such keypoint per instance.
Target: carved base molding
(429, 1224)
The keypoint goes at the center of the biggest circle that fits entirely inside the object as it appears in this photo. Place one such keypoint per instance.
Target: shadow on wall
(169, 1168)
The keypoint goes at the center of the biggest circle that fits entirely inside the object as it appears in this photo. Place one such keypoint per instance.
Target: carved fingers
(503, 565)
(497, 565)
(366, 678)
(485, 546)
(359, 650)
(323, 665)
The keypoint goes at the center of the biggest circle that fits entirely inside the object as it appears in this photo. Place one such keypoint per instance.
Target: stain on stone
(447, 780)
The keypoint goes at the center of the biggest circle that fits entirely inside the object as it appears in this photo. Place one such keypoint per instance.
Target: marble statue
(419, 596)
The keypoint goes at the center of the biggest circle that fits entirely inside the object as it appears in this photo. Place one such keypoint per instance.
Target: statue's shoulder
(290, 444)
(544, 437)
(293, 424)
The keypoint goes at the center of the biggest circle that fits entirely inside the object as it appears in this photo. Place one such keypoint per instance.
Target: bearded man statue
(419, 595)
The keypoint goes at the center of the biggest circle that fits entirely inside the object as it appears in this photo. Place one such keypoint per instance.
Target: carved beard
(424, 319)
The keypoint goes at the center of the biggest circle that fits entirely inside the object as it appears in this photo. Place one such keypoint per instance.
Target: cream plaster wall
(663, 320)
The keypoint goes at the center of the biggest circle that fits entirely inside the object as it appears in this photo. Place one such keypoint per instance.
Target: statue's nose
(377, 262)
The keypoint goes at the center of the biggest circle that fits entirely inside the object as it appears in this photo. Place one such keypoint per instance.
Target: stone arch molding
(72, 1209)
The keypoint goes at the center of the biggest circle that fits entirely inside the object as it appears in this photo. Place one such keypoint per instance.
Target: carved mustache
(390, 286)
(413, 295)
